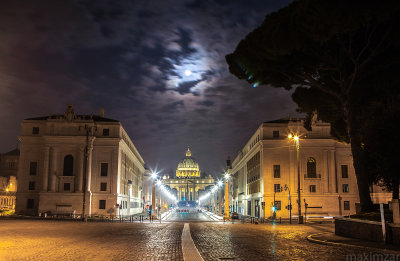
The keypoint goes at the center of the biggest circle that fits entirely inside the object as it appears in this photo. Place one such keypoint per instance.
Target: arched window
(311, 168)
(68, 166)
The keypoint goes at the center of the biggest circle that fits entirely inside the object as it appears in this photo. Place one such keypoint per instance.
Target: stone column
(53, 171)
(333, 174)
(45, 180)
(89, 167)
(326, 173)
(80, 169)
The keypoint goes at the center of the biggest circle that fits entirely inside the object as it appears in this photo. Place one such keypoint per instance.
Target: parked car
(235, 215)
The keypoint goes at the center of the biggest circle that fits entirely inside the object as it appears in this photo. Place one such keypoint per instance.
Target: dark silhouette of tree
(336, 54)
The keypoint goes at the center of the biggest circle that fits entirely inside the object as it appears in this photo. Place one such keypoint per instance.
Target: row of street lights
(215, 189)
(163, 188)
(219, 184)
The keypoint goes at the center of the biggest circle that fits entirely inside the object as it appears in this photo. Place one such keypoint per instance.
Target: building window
(106, 132)
(346, 205)
(33, 168)
(68, 166)
(275, 134)
(277, 205)
(345, 187)
(29, 203)
(11, 164)
(35, 130)
(277, 171)
(311, 168)
(102, 204)
(103, 186)
(103, 169)
(277, 187)
(31, 185)
(67, 186)
(345, 171)
(313, 188)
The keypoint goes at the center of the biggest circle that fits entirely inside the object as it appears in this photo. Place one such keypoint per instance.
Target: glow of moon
(188, 72)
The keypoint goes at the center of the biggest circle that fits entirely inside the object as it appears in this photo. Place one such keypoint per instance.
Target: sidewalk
(329, 238)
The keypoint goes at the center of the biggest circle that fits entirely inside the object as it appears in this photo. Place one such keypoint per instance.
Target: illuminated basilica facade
(188, 184)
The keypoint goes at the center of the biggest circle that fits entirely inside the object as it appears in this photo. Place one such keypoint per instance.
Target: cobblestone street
(62, 240)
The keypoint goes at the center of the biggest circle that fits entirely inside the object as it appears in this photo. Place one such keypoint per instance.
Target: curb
(329, 243)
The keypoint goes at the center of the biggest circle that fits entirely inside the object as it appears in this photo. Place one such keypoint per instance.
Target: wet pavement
(66, 240)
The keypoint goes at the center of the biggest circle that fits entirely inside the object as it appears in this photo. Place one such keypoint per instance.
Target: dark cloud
(157, 66)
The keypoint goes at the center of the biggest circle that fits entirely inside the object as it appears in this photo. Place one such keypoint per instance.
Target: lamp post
(290, 204)
(226, 216)
(153, 194)
(297, 140)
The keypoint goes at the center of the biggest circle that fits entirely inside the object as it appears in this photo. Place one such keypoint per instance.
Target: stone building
(8, 180)
(78, 163)
(188, 184)
(265, 173)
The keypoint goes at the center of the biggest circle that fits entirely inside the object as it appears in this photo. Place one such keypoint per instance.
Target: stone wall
(361, 229)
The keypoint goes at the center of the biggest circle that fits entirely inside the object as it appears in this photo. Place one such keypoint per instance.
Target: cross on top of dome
(188, 153)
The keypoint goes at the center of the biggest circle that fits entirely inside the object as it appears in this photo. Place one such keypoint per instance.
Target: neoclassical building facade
(78, 164)
(265, 173)
(188, 184)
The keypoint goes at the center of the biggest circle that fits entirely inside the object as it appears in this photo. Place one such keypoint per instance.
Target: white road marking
(190, 252)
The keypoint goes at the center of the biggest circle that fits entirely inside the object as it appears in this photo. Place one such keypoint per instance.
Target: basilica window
(103, 186)
(68, 166)
(106, 132)
(275, 134)
(345, 188)
(311, 168)
(313, 188)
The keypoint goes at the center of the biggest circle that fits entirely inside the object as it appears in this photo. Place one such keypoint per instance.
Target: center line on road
(189, 250)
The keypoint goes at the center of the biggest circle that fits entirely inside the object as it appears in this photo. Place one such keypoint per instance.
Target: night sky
(133, 59)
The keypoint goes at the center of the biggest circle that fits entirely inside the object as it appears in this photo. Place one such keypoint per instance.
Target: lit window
(278, 205)
(345, 188)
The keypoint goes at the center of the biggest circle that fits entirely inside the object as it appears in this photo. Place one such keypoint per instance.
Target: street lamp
(153, 194)
(226, 216)
(297, 141)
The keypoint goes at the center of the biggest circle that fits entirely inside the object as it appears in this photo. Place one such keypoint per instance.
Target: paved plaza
(73, 240)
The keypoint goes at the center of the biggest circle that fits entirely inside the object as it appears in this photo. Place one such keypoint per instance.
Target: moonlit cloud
(130, 57)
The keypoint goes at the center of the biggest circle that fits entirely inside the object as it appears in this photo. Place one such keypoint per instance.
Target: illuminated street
(52, 240)
(196, 216)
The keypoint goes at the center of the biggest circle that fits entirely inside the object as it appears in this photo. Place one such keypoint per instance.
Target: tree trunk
(395, 184)
(363, 178)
